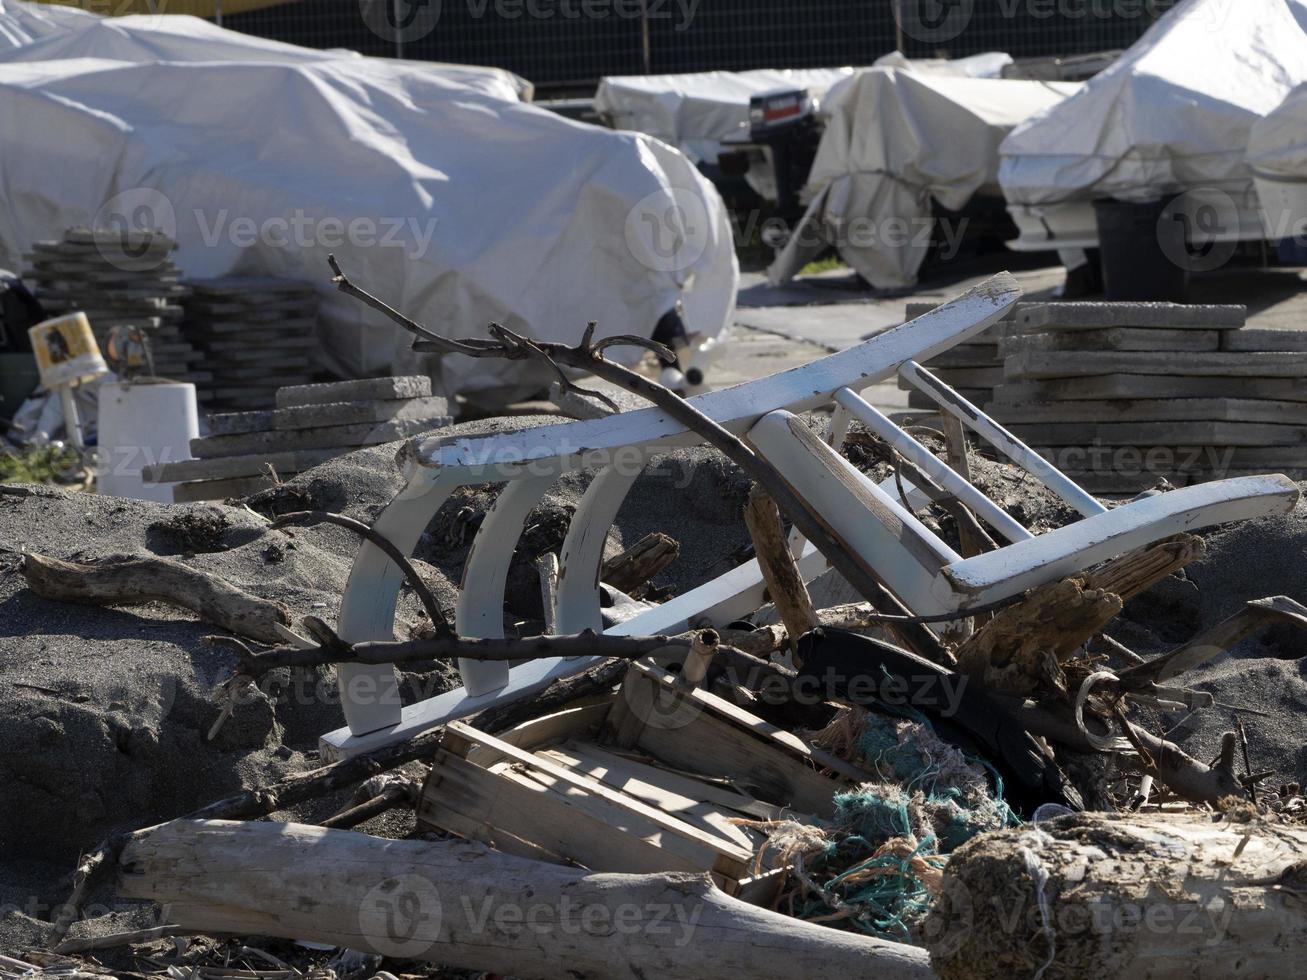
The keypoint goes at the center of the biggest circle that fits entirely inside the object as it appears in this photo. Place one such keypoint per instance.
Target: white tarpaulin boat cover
(1277, 156)
(456, 205)
(699, 111)
(1174, 113)
(23, 23)
(894, 141)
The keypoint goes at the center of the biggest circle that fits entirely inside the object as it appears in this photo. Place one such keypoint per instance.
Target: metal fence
(571, 43)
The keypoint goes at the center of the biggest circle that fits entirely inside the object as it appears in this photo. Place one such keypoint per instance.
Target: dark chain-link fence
(571, 43)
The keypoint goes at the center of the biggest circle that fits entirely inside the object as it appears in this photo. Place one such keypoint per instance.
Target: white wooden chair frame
(912, 562)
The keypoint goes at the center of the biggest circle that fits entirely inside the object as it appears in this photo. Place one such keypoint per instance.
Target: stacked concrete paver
(1120, 395)
(247, 451)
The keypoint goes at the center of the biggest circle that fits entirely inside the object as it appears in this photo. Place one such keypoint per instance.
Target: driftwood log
(639, 563)
(130, 580)
(779, 569)
(1020, 650)
(462, 905)
(1094, 896)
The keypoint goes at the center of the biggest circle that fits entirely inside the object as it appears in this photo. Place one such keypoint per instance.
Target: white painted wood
(481, 608)
(369, 694)
(1000, 438)
(1075, 547)
(934, 467)
(591, 444)
(582, 553)
(903, 553)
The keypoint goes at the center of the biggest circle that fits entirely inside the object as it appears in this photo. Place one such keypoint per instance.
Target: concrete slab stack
(1120, 395)
(119, 278)
(248, 451)
(974, 368)
(257, 334)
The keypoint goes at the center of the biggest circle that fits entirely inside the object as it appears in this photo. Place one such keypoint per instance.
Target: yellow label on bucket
(66, 351)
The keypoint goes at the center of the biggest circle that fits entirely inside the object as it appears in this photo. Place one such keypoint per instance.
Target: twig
(253, 665)
(424, 594)
(120, 939)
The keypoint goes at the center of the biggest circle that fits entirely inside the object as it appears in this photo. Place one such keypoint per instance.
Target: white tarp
(1277, 156)
(456, 206)
(698, 112)
(23, 23)
(1174, 113)
(1277, 145)
(894, 141)
(142, 38)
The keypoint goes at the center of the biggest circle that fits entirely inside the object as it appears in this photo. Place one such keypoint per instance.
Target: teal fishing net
(874, 865)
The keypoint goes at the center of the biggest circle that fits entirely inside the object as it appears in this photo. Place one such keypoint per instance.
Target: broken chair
(928, 576)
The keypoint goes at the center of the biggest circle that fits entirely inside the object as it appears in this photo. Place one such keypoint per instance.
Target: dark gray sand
(104, 713)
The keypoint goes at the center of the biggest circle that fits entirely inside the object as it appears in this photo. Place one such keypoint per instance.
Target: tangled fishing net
(876, 864)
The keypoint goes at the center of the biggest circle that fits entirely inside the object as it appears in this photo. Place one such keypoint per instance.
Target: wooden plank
(690, 737)
(662, 821)
(704, 850)
(1148, 410)
(1153, 386)
(528, 820)
(1038, 365)
(578, 722)
(1149, 434)
(785, 740)
(593, 754)
(1116, 339)
(710, 818)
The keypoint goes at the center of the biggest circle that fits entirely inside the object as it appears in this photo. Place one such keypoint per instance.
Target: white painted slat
(582, 553)
(369, 693)
(934, 467)
(589, 444)
(1000, 438)
(481, 608)
(1056, 554)
(899, 549)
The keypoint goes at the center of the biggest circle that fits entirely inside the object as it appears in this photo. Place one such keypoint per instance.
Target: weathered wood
(1138, 571)
(1255, 616)
(130, 580)
(1019, 651)
(1093, 895)
(547, 569)
(788, 590)
(641, 562)
(466, 907)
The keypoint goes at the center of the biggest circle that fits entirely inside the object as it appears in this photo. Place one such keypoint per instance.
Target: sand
(103, 713)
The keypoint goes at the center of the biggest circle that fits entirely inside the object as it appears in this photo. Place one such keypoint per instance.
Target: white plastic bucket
(143, 425)
(66, 351)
